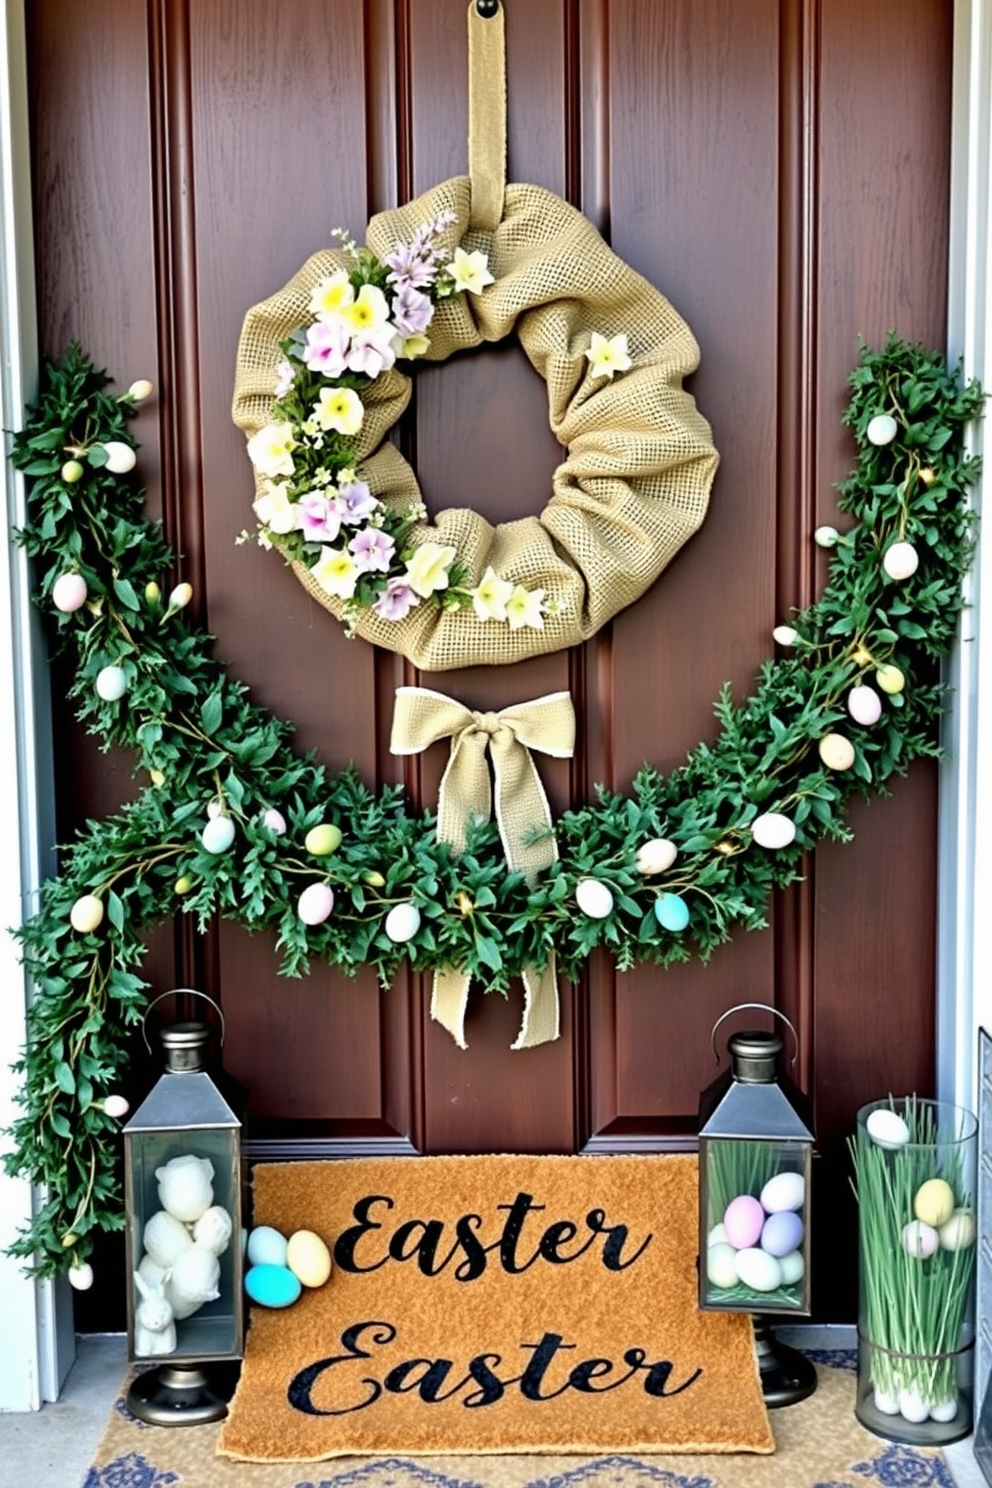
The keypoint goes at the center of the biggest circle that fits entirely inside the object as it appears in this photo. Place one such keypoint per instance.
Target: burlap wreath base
(640, 461)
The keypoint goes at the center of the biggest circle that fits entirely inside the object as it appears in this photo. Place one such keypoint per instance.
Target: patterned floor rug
(819, 1444)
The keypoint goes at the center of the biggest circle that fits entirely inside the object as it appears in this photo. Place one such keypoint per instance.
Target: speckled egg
(758, 1270)
(864, 705)
(272, 1286)
(595, 899)
(671, 912)
(267, 1247)
(721, 1265)
(742, 1221)
(782, 1233)
(784, 1191)
(793, 1266)
(934, 1202)
(887, 1128)
(402, 923)
(308, 1258)
(773, 830)
(919, 1240)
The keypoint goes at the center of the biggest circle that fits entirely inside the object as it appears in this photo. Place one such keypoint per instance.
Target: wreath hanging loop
(639, 462)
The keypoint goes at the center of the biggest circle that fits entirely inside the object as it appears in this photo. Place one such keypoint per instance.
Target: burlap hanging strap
(421, 717)
(639, 462)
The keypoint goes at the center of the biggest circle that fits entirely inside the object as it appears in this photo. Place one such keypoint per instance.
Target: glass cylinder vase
(915, 1169)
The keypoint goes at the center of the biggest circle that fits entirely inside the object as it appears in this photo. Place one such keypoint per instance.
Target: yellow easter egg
(934, 1202)
(308, 1258)
(323, 839)
(836, 752)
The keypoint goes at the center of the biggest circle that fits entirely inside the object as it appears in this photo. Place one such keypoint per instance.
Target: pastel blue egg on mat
(267, 1247)
(272, 1286)
(671, 912)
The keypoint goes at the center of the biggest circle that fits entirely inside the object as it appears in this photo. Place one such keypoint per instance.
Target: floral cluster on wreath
(232, 822)
(312, 505)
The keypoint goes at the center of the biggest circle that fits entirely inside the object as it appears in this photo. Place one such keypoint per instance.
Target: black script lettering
(583, 1374)
(517, 1213)
(429, 1384)
(347, 1242)
(425, 1249)
(474, 1263)
(557, 1235)
(533, 1376)
(491, 1386)
(658, 1374)
(301, 1385)
(616, 1237)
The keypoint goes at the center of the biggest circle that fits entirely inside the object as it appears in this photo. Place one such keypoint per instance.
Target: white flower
(270, 449)
(412, 346)
(525, 607)
(274, 508)
(331, 296)
(336, 572)
(608, 355)
(469, 271)
(369, 312)
(489, 599)
(339, 408)
(427, 570)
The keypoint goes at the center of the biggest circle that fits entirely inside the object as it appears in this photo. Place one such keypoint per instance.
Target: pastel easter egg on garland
(274, 820)
(784, 635)
(742, 1221)
(890, 678)
(671, 912)
(218, 834)
(272, 1286)
(69, 592)
(86, 915)
(721, 1265)
(934, 1202)
(315, 903)
(864, 705)
(773, 830)
(882, 429)
(655, 856)
(116, 1106)
(308, 1257)
(267, 1246)
(71, 472)
(594, 898)
(887, 1128)
(81, 1277)
(402, 923)
(901, 561)
(836, 751)
(826, 537)
(758, 1270)
(111, 683)
(782, 1192)
(120, 457)
(323, 839)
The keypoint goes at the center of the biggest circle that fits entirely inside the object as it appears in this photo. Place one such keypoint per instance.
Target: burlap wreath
(640, 459)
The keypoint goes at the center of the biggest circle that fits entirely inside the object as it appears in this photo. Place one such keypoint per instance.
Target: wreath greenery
(147, 681)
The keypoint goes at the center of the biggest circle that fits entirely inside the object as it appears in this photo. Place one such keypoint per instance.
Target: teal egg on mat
(671, 912)
(272, 1286)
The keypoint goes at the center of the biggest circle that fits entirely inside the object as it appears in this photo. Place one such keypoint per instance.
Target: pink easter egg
(742, 1222)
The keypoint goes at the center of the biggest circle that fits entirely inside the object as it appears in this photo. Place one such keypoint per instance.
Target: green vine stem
(202, 742)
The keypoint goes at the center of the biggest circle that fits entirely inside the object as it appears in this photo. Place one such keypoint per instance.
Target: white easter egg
(913, 1407)
(86, 914)
(214, 810)
(218, 834)
(116, 1106)
(886, 1403)
(793, 1267)
(901, 560)
(165, 1238)
(275, 821)
(758, 1270)
(784, 635)
(402, 923)
(656, 855)
(313, 907)
(595, 899)
(81, 1277)
(69, 592)
(882, 429)
(959, 1232)
(783, 1192)
(120, 456)
(826, 537)
(111, 683)
(308, 1257)
(721, 1265)
(864, 705)
(773, 830)
(267, 1247)
(717, 1235)
(887, 1128)
(836, 751)
(919, 1240)
(944, 1410)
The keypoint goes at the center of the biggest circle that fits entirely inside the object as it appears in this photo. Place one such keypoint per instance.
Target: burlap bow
(422, 717)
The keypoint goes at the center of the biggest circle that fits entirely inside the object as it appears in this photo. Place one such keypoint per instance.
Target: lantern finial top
(754, 1056)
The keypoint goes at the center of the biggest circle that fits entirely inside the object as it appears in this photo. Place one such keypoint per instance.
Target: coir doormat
(494, 1304)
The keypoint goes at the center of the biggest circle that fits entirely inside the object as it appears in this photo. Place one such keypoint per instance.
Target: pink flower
(320, 516)
(327, 345)
(284, 378)
(372, 351)
(396, 600)
(373, 550)
(358, 503)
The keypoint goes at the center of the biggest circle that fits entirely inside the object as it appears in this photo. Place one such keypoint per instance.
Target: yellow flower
(269, 449)
(489, 599)
(340, 409)
(370, 311)
(427, 570)
(525, 607)
(274, 508)
(414, 346)
(331, 296)
(469, 271)
(336, 572)
(607, 356)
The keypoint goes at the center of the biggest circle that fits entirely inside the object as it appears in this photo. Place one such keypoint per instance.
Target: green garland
(202, 741)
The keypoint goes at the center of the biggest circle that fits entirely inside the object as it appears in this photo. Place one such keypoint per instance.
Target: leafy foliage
(202, 741)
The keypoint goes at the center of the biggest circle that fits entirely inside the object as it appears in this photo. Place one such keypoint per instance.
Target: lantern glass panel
(754, 1203)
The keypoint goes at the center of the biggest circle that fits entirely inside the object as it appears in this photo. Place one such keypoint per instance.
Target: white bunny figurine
(154, 1325)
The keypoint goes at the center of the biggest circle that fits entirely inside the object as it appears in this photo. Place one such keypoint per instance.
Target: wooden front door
(779, 168)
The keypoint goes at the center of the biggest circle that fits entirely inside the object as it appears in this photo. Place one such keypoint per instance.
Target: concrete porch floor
(53, 1447)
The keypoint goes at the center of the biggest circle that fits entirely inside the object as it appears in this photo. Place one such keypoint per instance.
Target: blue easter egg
(272, 1286)
(267, 1247)
(782, 1233)
(671, 912)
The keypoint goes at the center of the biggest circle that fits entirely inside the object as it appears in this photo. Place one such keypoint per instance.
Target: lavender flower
(358, 503)
(412, 311)
(320, 516)
(396, 601)
(373, 550)
(372, 351)
(327, 347)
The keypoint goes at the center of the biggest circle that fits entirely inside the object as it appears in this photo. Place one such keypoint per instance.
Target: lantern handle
(181, 992)
(765, 1008)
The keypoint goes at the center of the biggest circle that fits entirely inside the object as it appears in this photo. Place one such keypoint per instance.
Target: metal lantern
(182, 1175)
(755, 1152)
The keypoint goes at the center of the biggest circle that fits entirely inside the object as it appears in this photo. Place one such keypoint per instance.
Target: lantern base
(182, 1394)
(787, 1376)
